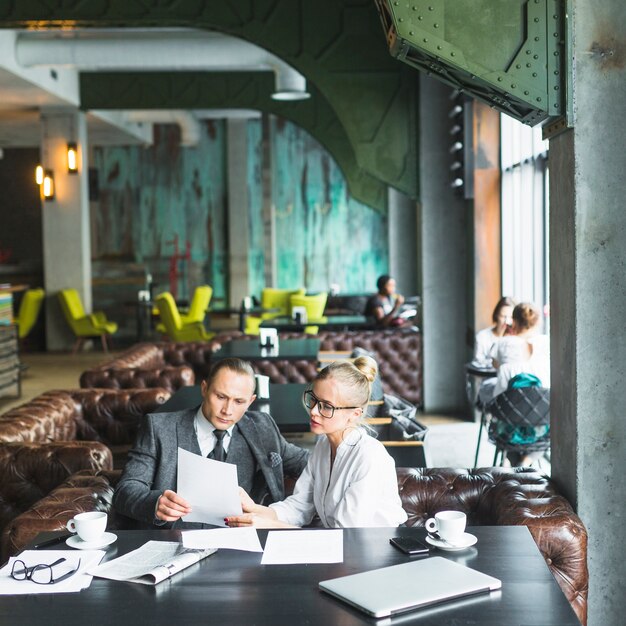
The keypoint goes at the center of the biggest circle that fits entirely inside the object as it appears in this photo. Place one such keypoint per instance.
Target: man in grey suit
(221, 428)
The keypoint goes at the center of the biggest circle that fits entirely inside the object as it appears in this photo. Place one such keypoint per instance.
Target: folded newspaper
(154, 562)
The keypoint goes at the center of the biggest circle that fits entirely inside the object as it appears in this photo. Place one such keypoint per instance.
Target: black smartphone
(409, 545)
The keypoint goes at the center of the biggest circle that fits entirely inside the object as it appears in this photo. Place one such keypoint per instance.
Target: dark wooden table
(233, 588)
(242, 313)
(143, 317)
(328, 322)
(284, 405)
(288, 350)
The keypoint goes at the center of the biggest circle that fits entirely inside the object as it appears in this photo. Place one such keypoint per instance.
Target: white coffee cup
(449, 524)
(88, 526)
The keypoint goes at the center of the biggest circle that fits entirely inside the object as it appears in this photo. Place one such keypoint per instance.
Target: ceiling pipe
(190, 129)
(168, 49)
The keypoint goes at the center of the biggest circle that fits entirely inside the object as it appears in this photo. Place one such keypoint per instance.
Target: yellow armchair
(199, 305)
(197, 308)
(173, 324)
(272, 299)
(314, 306)
(84, 325)
(29, 311)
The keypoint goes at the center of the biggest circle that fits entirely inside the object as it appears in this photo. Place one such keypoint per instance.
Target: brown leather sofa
(489, 496)
(45, 441)
(107, 416)
(398, 353)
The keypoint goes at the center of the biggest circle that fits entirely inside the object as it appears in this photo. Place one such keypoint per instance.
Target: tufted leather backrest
(170, 378)
(31, 471)
(398, 353)
(499, 496)
(106, 415)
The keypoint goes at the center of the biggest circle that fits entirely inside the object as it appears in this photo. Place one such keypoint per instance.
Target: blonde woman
(350, 479)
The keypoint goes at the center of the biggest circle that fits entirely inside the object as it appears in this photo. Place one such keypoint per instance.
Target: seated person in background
(487, 337)
(524, 350)
(350, 479)
(221, 428)
(384, 306)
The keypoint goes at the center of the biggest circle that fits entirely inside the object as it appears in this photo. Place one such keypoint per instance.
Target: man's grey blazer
(152, 463)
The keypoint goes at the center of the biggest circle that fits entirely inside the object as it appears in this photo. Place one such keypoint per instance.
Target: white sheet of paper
(303, 546)
(78, 581)
(229, 538)
(210, 487)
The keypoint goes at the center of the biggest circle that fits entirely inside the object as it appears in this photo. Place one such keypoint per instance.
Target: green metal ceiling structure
(335, 44)
(245, 90)
(508, 53)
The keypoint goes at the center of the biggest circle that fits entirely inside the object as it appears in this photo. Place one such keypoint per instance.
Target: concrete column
(444, 251)
(588, 301)
(66, 237)
(238, 221)
(403, 242)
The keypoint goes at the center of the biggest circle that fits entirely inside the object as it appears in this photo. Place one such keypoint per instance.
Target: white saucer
(76, 542)
(466, 541)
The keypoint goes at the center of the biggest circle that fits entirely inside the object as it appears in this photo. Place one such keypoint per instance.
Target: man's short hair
(238, 366)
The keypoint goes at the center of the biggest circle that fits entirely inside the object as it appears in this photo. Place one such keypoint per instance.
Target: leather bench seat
(45, 441)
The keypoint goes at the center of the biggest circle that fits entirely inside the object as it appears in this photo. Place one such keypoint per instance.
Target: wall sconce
(47, 186)
(39, 174)
(72, 158)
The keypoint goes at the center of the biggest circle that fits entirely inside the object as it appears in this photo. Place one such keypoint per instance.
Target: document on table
(80, 580)
(303, 546)
(152, 563)
(209, 486)
(229, 538)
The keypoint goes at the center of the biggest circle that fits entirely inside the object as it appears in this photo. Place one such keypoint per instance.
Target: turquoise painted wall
(147, 195)
(323, 236)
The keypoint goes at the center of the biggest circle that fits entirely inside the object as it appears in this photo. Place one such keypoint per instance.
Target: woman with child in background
(487, 337)
(523, 350)
(350, 479)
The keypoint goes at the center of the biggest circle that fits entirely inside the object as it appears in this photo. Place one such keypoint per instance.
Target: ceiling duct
(152, 49)
(190, 130)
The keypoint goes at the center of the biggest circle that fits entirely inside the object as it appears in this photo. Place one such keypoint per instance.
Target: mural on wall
(156, 200)
(323, 236)
(149, 197)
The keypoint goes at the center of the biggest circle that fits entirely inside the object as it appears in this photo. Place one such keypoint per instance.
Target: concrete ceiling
(39, 83)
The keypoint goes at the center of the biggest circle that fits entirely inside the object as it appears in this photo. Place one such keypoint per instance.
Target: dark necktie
(218, 453)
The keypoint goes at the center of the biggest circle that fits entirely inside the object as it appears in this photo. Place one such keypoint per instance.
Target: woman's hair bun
(367, 366)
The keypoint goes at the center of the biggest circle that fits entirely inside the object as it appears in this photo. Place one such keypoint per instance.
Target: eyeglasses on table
(41, 574)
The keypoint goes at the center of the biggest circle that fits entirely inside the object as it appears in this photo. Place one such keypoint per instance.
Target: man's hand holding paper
(208, 488)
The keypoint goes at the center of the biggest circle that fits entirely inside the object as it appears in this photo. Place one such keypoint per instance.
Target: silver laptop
(409, 586)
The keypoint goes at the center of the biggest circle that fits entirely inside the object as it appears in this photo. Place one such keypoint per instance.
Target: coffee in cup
(88, 526)
(449, 524)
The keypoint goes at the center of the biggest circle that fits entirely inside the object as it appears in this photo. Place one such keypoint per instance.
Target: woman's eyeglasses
(325, 409)
(41, 574)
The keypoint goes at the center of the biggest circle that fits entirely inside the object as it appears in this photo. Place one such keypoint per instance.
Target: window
(524, 160)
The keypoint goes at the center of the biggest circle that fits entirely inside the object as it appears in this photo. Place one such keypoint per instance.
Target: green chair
(173, 324)
(314, 306)
(272, 299)
(82, 324)
(29, 311)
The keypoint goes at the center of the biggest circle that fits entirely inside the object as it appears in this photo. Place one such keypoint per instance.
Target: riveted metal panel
(509, 53)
